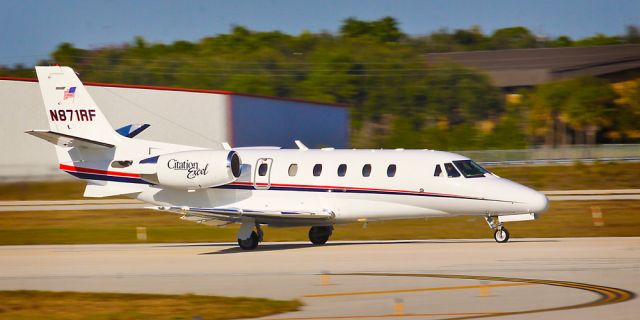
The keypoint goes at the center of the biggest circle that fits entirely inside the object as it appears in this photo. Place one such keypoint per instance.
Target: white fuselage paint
(413, 192)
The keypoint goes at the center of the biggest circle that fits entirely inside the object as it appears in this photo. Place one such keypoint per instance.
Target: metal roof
(528, 67)
(163, 88)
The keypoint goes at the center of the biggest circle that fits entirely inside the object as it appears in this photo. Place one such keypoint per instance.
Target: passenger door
(262, 174)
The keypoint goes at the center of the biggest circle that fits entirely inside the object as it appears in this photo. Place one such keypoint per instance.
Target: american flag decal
(69, 93)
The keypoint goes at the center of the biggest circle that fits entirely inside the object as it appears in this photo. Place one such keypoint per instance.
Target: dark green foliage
(396, 99)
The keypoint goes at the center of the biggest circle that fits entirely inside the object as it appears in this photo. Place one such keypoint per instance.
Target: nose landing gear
(501, 234)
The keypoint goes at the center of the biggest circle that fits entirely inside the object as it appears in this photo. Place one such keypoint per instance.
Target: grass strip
(86, 305)
(564, 219)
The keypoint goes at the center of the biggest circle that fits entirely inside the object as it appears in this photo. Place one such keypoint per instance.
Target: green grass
(564, 219)
(72, 189)
(625, 175)
(113, 306)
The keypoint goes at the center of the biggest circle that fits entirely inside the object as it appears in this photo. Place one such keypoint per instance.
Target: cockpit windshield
(471, 169)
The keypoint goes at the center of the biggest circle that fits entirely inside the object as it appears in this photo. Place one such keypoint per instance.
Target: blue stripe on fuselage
(90, 176)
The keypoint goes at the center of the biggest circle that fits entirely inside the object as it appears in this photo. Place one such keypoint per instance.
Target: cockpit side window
(438, 171)
(470, 169)
(451, 170)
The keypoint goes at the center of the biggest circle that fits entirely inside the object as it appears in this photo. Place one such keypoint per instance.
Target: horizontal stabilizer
(65, 140)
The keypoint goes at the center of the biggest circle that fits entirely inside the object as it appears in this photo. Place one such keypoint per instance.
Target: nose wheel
(501, 234)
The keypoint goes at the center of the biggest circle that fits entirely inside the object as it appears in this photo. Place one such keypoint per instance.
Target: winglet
(132, 130)
(301, 145)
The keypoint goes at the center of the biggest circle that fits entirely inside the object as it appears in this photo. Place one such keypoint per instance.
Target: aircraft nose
(537, 202)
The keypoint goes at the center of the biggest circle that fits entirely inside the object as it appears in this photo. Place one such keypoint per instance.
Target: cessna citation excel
(267, 185)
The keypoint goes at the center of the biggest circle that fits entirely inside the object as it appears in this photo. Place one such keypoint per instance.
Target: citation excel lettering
(192, 168)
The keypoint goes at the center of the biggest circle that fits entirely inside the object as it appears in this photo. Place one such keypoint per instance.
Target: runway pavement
(570, 278)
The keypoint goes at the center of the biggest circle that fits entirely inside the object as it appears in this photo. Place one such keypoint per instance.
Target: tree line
(395, 98)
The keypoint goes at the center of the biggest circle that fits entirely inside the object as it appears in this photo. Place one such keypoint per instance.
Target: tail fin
(70, 109)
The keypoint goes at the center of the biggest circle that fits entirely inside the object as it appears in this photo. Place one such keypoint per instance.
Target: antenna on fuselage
(301, 145)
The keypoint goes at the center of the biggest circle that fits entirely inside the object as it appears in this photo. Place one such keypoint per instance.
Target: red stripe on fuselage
(97, 171)
(262, 184)
(248, 183)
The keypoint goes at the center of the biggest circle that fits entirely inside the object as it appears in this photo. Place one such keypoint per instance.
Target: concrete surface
(571, 278)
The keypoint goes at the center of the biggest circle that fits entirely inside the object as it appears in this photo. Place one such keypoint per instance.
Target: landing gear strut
(247, 238)
(501, 234)
(320, 235)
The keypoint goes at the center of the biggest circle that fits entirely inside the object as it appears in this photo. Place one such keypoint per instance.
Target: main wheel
(501, 235)
(320, 235)
(251, 243)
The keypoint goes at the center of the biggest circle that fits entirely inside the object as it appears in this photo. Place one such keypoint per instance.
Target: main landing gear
(247, 238)
(501, 234)
(320, 235)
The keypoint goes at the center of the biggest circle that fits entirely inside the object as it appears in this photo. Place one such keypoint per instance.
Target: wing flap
(261, 216)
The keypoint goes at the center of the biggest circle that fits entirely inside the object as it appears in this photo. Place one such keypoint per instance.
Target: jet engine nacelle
(189, 170)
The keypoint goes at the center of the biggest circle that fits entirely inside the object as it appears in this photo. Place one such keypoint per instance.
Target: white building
(202, 118)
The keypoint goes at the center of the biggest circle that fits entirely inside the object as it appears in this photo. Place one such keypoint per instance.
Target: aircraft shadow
(274, 246)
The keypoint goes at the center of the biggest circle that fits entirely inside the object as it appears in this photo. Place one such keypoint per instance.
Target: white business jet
(271, 186)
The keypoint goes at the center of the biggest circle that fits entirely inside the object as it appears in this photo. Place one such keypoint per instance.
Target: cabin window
(293, 170)
(317, 170)
(391, 170)
(342, 170)
(470, 169)
(366, 170)
(438, 171)
(451, 170)
(262, 169)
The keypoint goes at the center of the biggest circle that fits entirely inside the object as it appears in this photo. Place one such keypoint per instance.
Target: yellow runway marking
(322, 295)
(607, 295)
(396, 315)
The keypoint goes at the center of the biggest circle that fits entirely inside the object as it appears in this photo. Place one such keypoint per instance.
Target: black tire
(251, 243)
(320, 235)
(501, 235)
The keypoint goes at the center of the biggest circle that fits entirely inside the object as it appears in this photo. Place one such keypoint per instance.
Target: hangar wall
(260, 121)
(202, 118)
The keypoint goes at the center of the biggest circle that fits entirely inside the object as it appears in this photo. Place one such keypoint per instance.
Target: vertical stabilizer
(69, 108)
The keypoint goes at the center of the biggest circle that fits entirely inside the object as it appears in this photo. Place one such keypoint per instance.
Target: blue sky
(33, 28)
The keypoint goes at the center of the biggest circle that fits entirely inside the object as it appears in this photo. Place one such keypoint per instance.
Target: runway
(569, 278)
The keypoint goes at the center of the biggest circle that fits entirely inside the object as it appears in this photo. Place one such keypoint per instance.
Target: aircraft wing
(277, 217)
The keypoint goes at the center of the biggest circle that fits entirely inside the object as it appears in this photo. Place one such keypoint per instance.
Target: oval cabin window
(391, 170)
(317, 170)
(342, 170)
(366, 170)
(262, 170)
(293, 170)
